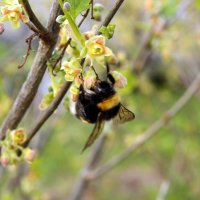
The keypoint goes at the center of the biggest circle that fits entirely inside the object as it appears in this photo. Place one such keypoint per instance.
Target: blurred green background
(171, 159)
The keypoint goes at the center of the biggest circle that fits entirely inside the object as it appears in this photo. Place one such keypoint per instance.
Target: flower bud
(98, 7)
(4, 160)
(46, 100)
(18, 136)
(74, 92)
(90, 79)
(67, 6)
(97, 16)
(29, 155)
(89, 82)
(120, 80)
(97, 11)
(60, 19)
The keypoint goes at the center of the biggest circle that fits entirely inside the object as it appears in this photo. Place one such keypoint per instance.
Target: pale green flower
(72, 69)
(12, 11)
(120, 80)
(96, 46)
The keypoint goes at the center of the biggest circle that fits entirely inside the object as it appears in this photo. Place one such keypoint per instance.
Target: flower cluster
(12, 151)
(88, 47)
(13, 11)
(95, 52)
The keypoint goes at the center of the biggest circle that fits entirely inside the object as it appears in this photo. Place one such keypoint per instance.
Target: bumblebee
(99, 104)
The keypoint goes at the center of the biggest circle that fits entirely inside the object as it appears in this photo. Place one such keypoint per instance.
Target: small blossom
(46, 100)
(87, 35)
(120, 80)
(89, 79)
(90, 33)
(4, 160)
(78, 81)
(72, 69)
(98, 7)
(97, 11)
(60, 19)
(74, 92)
(89, 82)
(67, 6)
(63, 36)
(29, 155)
(74, 49)
(96, 47)
(18, 136)
(13, 12)
(112, 60)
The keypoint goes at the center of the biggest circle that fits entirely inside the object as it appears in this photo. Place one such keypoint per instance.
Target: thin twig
(84, 17)
(50, 110)
(112, 13)
(92, 9)
(32, 27)
(30, 86)
(59, 59)
(151, 131)
(28, 41)
(33, 17)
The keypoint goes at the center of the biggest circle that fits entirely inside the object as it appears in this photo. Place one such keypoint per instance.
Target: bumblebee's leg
(111, 79)
(107, 68)
(81, 93)
(109, 76)
(95, 72)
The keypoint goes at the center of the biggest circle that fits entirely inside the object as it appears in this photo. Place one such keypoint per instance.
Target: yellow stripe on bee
(109, 103)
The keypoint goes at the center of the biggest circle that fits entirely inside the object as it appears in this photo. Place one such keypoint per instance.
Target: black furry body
(98, 104)
(87, 108)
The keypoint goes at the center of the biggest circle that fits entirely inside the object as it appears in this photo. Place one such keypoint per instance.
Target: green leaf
(107, 31)
(78, 6)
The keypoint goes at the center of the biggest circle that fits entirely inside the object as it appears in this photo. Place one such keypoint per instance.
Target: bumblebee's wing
(95, 132)
(124, 115)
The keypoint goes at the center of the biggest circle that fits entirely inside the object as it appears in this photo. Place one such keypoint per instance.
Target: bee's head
(104, 88)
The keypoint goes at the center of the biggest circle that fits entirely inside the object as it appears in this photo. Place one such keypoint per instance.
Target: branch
(33, 18)
(30, 86)
(151, 131)
(50, 110)
(112, 13)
